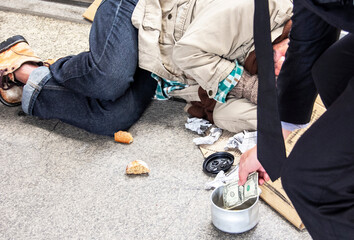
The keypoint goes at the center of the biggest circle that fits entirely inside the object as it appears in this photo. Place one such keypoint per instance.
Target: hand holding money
(248, 164)
(235, 195)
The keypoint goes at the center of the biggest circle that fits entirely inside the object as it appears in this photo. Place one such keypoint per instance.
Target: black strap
(335, 3)
(270, 143)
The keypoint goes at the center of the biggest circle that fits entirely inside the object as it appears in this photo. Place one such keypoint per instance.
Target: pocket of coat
(183, 18)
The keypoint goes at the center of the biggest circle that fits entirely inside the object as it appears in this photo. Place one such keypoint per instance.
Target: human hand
(249, 163)
(278, 64)
(279, 54)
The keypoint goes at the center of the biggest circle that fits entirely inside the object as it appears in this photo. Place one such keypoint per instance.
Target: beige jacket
(196, 41)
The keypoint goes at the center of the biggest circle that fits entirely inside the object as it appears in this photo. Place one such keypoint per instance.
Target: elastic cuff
(37, 79)
(226, 85)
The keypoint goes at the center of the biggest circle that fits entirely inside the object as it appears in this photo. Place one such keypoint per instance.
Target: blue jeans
(102, 90)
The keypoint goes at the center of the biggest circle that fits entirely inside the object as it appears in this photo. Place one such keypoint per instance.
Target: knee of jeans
(112, 82)
(112, 92)
(113, 87)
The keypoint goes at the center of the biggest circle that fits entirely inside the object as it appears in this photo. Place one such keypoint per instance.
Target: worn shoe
(11, 97)
(14, 52)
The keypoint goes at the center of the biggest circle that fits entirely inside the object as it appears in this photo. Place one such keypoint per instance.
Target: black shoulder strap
(270, 143)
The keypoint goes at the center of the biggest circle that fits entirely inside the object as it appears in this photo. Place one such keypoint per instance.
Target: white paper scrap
(198, 125)
(243, 141)
(213, 136)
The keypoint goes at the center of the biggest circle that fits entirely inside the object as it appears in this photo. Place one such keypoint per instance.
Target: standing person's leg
(333, 70)
(319, 173)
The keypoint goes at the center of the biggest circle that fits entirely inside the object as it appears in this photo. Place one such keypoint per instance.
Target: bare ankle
(24, 71)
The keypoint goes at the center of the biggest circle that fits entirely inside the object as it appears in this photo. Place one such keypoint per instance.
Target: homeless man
(185, 44)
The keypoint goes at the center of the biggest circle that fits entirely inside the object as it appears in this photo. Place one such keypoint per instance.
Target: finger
(266, 177)
(242, 177)
(276, 55)
(263, 174)
(278, 65)
(261, 181)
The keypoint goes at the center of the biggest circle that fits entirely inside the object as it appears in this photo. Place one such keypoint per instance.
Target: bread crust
(137, 167)
(123, 137)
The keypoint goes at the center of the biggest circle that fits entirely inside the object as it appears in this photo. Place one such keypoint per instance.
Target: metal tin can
(233, 221)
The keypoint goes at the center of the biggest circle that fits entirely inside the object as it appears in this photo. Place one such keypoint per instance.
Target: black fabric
(318, 175)
(333, 71)
(339, 17)
(270, 143)
(335, 3)
(310, 36)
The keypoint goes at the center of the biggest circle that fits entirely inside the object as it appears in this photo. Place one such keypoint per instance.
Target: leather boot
(14, 52)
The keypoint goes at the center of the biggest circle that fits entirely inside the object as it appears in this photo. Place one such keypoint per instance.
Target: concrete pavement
(60, 182)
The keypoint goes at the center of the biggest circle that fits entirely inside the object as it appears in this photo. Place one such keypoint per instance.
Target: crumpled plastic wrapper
(243, 141)
(223, 179)
(213, 136)
(198, 125)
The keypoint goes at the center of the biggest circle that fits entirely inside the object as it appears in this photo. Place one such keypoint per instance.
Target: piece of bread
(137, 167)
(123, 137)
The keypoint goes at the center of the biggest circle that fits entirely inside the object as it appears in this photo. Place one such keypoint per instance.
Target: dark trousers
(102, 90)
(319, 173)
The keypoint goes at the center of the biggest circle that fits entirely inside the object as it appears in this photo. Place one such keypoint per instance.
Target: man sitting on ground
(185, 44)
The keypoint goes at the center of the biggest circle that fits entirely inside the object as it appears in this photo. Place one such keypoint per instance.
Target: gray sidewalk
(60, 182)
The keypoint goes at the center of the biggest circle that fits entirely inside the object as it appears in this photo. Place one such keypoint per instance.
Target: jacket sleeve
(205, 50)
(310, 36)
(218, 35)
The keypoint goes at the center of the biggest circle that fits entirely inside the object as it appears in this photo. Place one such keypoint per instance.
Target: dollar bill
(235, 195)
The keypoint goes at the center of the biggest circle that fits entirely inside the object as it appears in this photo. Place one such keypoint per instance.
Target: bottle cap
(218, 161)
